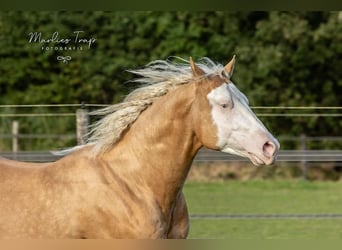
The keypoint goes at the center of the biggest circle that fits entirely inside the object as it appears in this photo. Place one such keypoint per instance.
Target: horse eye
(224, 105)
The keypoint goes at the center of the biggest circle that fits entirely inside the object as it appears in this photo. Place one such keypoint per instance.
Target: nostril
(269, 149)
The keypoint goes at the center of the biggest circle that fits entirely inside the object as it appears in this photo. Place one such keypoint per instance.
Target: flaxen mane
(158, 77)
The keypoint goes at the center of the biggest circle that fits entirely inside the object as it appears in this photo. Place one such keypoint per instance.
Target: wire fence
(80, 116)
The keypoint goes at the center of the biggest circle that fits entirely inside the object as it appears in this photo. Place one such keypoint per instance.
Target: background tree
(283, 58)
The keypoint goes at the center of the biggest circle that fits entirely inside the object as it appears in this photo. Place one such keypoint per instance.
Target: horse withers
(127, 181)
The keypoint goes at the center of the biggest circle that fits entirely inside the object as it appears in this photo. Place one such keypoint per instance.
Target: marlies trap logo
(55, 42)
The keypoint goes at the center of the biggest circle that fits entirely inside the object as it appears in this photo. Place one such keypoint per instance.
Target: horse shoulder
(116, 203)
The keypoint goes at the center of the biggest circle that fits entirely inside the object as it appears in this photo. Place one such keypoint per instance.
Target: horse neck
(161, 144)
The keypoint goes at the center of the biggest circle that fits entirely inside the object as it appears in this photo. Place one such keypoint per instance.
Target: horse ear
(229, 68)
(196, 71)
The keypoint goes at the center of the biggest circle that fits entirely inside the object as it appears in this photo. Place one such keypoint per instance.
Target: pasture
(287, 209)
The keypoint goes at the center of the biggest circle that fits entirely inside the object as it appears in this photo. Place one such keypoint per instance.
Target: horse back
(12, 164)
(36, 200)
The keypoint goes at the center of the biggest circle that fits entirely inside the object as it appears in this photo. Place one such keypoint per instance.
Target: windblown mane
(157, 78)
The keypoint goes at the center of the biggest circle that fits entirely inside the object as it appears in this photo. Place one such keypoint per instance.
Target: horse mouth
(255, 159)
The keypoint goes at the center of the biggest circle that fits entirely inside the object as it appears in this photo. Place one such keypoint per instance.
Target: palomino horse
(126, 182)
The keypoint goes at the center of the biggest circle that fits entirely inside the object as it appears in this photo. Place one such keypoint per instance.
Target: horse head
(229, 125)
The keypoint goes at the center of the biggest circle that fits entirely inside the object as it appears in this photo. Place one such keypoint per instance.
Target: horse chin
(252, 157)
(255, 159)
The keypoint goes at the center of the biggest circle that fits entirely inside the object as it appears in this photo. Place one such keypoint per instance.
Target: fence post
(303, 161)
(15, 133)
(82, 122)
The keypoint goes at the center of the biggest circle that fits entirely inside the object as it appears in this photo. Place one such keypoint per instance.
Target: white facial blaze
(239, 131)
(221, 101)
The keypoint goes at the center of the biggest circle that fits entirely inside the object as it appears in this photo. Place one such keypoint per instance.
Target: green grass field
(265, 197)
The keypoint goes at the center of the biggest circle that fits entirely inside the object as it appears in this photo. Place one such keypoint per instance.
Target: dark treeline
(283, 58)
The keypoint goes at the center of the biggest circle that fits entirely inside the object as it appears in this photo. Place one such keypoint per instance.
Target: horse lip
(255, 159)
(259, 161)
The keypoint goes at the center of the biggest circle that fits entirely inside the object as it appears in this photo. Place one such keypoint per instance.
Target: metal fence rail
(31, 156)
(303, 142)
(284, 156)
(204, 155)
